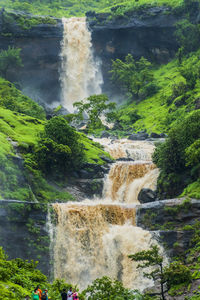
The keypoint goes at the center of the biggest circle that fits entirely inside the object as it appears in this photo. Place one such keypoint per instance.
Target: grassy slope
(69, 8)
(24, 130)
(158, 114)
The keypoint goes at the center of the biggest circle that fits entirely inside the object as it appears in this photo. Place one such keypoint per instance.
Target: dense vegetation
(25, 135)
(67, 8)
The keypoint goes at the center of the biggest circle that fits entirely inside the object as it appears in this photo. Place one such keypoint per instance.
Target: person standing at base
(39, 292)
(70, 294)
(75, 295)
(35, 295)
(64, 294)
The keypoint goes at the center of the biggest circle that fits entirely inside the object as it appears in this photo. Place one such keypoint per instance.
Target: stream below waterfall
(93, 238)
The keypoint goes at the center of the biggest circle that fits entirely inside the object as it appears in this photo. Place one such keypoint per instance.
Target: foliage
(187, 35)
(135, 77)
(69, 8)
(104, 288)
(10, 58)
(59, 151)
(18, 277)
(177, 273)
(94, 106)
(14, 100)
(151, 258)
(171, 157)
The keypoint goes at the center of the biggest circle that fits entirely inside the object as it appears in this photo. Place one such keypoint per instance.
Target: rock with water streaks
(146, 195)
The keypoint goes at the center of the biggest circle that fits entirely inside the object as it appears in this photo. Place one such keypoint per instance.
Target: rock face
(168, 220)
(40, 44)
(148, 32)
(24, 232)
(146, 195)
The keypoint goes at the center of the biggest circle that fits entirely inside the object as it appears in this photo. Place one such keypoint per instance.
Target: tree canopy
(134, 76)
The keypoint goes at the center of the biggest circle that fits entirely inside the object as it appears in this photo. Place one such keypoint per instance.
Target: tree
(10, 59)
(173, 156)
(94, 106)
(151, 258)
(59, 150)
(104, 288)
(136, 77)
(187, 35)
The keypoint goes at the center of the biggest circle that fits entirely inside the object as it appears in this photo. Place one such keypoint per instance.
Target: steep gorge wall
(148, 33)
(41, 46)
(24, 232)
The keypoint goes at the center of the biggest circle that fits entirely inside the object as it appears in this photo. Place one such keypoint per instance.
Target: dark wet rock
(155, 135)
(20, 240)
(91, 187)
(40, 49)
(138, 136)
(105, 134)
(176, 212)
(125, 159)
(168, 219)
(148, 32)
(106, 159)
(146, 195)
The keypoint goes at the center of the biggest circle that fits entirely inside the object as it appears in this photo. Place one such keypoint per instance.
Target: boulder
(105, 134)
(155, 135)
(146, 195)
(140, 136)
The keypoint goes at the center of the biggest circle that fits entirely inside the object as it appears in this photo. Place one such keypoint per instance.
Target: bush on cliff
(59, 150)
(175, 159)
(18, 277)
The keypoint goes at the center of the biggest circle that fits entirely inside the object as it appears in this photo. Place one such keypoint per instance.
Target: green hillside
(67, 8)
(20, 176)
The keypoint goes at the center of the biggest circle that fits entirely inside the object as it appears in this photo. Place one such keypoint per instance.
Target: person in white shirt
(70, 294)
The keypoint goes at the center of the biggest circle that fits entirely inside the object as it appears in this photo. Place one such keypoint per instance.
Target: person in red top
(75, 295)
(40, 291)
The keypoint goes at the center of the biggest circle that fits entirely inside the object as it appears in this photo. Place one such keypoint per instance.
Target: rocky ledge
(171, 222)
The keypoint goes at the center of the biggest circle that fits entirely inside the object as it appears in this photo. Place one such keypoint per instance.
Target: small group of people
(70, 295)
(38, 294)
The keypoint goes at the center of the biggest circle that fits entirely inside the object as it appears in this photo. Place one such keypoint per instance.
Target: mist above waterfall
(80, 73)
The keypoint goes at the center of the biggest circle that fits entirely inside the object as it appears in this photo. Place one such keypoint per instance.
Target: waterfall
(93, 238)
(80, 74)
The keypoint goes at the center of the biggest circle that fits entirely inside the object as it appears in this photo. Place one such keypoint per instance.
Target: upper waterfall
(80, 73)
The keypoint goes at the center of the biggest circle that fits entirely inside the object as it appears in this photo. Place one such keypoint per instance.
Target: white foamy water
(94, 238)
(80, 73)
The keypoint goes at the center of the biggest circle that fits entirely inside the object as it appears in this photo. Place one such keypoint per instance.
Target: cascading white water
(80, 73)
(94, 238)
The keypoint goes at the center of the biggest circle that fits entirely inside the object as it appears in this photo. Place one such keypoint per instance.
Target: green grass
(192, 190)
(70, 8)
(14, 100)
(93, 151)
(159, 112)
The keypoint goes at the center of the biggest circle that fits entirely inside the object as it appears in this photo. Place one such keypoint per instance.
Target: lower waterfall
(93, 238)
